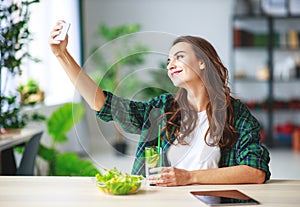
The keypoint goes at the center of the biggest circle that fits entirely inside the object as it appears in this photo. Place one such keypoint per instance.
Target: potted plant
(30, 93)
(15, 36)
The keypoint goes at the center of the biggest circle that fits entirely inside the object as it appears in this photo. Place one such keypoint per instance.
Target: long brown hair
(219, 109)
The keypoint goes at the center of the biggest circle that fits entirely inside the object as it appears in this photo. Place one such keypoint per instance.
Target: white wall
(165, 19)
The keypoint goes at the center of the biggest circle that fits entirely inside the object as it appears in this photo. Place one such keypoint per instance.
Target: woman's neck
(198, 98)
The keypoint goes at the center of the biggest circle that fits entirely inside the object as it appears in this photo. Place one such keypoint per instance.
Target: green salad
(114, 182)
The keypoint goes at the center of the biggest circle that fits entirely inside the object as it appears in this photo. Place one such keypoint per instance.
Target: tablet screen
(224, 197)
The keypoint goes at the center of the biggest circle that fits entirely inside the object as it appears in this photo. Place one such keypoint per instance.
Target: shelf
(260, 108)
(249, 17)
(283, 144)
(264, 17)
(261, 48)
(281, 40)
(294, 80)
(254, 80)
(276, 105)
(250, 80)
(274, 36)
(249, 48)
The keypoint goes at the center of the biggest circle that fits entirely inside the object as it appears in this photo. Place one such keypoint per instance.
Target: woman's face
(183, 65)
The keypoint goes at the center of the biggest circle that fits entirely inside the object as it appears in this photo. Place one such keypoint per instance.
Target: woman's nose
(171, 65)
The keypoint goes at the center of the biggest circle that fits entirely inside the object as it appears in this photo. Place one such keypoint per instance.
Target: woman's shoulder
(238, 105)
(242, 114)
(240, 109)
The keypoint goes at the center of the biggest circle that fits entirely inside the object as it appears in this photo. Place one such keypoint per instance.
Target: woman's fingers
(156, 170)
(162, 176)
(56, 31)
(169, 176)
(57, 46)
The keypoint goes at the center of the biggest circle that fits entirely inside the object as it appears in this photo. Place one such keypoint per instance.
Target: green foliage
(31, 87)
(69, 164)
(37, 117)
(31, 93)
(112, 33)
(59, 124)
(162, 82)
(126, 53)
(47, 153)
(63, 119)
(14, 18)
(165, 84)
(11, 118)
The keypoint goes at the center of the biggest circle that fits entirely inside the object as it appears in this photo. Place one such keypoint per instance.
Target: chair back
(27, 163)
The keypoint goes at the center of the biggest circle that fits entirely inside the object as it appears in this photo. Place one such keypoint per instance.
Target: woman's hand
(170, 176)
(57, 46)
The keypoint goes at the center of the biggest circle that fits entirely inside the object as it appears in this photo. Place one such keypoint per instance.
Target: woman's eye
(179, 57)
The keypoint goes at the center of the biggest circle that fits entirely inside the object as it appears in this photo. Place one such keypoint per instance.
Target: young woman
(207, 136)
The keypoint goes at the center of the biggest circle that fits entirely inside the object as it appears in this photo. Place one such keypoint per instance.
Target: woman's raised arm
(88, 89)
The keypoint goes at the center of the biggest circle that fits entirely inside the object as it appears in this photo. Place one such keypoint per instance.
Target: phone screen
(224, 198)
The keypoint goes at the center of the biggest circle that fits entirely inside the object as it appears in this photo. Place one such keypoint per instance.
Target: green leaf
(111, 33)
(63, 119)
(69, 164)
(46, 153)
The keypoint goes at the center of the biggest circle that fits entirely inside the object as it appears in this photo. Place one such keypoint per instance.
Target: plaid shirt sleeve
(129, 114)
(248, 150)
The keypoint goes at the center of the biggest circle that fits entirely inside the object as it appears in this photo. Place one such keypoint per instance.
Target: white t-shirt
(196, 155)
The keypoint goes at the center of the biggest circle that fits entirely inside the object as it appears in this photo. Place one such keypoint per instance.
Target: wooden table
(7, 142)
(81, 191)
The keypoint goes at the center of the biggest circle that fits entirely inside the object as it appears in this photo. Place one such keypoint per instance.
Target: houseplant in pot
(31, 93)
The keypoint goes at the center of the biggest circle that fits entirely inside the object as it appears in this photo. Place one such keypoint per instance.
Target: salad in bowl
(116, 183)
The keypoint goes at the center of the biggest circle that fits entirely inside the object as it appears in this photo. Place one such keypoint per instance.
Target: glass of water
(153, 159)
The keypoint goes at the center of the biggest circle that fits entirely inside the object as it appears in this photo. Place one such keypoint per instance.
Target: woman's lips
(175, 72)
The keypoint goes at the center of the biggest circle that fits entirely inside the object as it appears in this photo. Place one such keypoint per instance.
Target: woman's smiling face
(183, 65)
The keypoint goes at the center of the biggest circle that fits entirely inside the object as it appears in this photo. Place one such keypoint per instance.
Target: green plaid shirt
(134, 117)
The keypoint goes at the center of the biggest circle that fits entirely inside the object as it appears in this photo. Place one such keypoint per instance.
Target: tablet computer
(224, 198)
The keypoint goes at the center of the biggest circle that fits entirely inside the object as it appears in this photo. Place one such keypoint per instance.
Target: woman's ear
(201, 64)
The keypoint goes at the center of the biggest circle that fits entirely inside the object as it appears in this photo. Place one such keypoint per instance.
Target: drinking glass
(153, 159)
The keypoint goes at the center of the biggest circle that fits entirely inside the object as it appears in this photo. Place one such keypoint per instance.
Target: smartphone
(64, 31)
